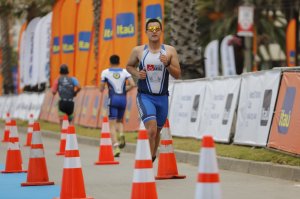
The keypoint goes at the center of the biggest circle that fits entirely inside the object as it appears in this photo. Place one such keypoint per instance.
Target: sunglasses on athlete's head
(153, 28)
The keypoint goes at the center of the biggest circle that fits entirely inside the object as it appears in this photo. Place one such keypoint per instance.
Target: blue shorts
(117, 107)
(152, 107)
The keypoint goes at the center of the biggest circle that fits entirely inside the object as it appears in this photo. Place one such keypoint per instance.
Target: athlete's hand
(142, 74)
(164, 59)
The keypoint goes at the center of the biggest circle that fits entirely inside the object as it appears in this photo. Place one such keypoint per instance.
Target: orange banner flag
(84, 28)
(125, 32)
(56, 43)
(106, 36)
(68, 19)
(291, 43)
(151, 9)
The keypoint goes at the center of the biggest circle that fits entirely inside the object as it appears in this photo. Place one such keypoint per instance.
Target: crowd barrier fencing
(265, 105)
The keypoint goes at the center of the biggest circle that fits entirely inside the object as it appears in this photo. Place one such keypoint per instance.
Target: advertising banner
(68, 17)
(219, 107)
(53, 113)
(245, 21)
(91, 76)
(26, 72)
(106, 36)
(186, 105)
(56, 41)
(84, 32)
(36, 53)
(227, 57)
(291, 43)
(78, 105)
(91, 107)
(46, 105)
(125, 29)
(21, 57)
(212, 59)
(131, 117)
(45, 50)
(151, 9)
(256, 106)
(284, 133)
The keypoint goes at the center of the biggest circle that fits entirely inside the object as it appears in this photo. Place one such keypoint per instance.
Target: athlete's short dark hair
(114, 59)
(64, 69)
(152, 21)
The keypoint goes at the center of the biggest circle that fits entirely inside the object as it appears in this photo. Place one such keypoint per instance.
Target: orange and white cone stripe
(37, 167)
(167, 166)
(143, 186)
(13, 156)
(6, 128)
(63, 136)
(208, 180)
(106, 155)
(72, 182)
(29, 130)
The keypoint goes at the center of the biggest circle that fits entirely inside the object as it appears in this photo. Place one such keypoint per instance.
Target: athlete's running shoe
(117, 152)
(122, 142)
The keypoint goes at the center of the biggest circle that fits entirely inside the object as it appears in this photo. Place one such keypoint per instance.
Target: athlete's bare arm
(102, 86)
(171, 61)
(133, 61)
(130, 85)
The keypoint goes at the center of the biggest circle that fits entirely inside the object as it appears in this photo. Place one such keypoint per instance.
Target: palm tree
(9, 10)
(184, 36)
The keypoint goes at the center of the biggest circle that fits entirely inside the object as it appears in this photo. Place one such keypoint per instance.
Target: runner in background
(156, 61)
(115, 78)
(67, 88)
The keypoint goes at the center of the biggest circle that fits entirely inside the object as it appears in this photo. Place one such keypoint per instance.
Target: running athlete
(116, 77)
(156, 61)
(67, 88)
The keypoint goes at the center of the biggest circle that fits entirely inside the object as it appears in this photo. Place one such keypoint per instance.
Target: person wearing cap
(116, 78)
(67, 88)
(156, 61)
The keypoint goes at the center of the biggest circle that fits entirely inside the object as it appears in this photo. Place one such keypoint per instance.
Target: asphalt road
(115, 181)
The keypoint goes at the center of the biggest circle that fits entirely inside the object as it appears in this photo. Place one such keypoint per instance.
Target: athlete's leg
(120, 127)
(112, 125)
(161, 105)
(147, 112)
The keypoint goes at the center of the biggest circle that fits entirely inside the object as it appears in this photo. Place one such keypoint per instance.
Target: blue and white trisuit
(116, 81)
(152, 97)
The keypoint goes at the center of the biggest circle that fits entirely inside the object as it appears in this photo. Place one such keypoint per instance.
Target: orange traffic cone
(106, 155)
(167, 166)
(37, 167)
(72, 185)
(208, 180)
(13, 156)
(29, 130)
(6, 128)
(143, 186)
(64, 128)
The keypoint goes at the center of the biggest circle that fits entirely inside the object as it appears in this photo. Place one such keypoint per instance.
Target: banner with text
(56, 41)
(256, 105)
(284, 134)
(220, 103)
(125, 29)
(185, 109)
(151, 9)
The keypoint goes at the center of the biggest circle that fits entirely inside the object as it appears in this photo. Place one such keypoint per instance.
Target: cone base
(170, 177)
(106, 162)
(77, 198)
(17, 171)
(60, 153)
(36, 183)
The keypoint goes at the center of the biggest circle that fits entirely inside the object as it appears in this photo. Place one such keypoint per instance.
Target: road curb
(285, 172)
